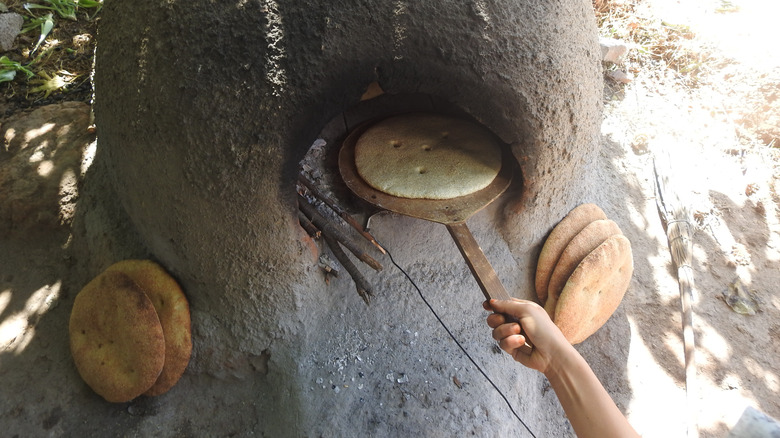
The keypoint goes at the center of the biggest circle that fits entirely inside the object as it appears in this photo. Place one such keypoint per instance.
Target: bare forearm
(590, 409)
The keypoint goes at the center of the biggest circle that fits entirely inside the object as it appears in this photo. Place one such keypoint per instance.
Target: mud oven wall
(204, 110)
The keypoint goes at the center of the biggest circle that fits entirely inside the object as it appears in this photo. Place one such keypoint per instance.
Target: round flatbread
(595, 289)
(174, 313)
(116, 338)
(427, 156)
(587, 240)
(560, 236)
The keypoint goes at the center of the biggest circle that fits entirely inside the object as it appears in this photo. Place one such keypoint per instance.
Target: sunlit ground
(731, 179)
(18, 329)
(43, 162)
(743, 30)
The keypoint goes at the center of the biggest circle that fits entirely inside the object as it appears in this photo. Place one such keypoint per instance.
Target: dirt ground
(711, 103)
(720, 125)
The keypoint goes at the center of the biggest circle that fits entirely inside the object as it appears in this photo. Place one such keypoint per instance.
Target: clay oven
(204, 112)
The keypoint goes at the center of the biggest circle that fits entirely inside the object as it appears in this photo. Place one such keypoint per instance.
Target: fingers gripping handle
(482, 271)
(528, 347)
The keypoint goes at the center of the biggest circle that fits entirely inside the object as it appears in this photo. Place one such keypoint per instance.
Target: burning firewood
(317, 225)
(361, 284)
(317, 193)
(329, 230)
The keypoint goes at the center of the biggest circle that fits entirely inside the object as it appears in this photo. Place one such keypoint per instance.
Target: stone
(10, 26)
(40, 166)
(612, 50)
(754, 423)
(620, 76)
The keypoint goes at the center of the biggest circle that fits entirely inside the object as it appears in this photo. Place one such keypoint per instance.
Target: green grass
(45, 23)
(9, 69)
(40, 63)
(65, 8)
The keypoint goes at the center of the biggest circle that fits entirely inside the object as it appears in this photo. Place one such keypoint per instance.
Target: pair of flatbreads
(427, 156)
(130, 331)
(583, 272)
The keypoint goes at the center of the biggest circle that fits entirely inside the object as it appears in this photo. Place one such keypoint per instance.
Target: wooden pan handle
(483, 272)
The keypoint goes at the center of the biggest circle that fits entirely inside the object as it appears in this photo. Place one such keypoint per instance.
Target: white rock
(620, 76)
(10, 26)
(754, 423)
(612, 50)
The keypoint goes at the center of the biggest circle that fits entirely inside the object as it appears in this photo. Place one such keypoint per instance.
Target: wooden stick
(308, 226)
(329, 230)
(361, 284)
(339, 211)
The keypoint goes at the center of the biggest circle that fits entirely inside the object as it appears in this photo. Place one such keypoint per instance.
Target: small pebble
(612, 50)
(135, 410)
(620, 76)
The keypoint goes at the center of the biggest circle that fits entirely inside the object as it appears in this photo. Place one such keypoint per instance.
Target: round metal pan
(443, 211)
(451, 212)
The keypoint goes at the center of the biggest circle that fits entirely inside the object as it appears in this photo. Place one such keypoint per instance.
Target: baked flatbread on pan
(427, 156)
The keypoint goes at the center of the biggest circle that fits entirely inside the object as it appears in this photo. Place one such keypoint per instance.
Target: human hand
(587, 404)
(547, 339)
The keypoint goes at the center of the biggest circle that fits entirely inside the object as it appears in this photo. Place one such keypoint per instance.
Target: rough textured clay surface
(338, 368)
(203, 148)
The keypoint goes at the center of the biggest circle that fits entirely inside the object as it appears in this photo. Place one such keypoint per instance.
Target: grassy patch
(656, 44)
(51, 60)
(9, 69)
